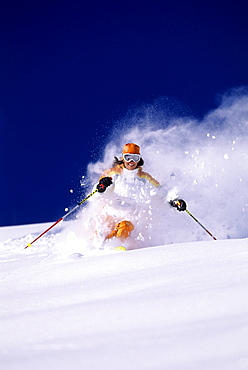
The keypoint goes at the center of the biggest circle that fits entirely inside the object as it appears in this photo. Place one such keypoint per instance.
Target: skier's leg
(122, 230)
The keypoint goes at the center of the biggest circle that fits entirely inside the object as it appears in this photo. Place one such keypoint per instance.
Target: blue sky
(70, 70)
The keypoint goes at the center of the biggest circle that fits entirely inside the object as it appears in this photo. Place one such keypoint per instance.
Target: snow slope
(178, 306)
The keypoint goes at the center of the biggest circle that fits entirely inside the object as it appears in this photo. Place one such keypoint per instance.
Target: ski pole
(62, 218)
(194, 218)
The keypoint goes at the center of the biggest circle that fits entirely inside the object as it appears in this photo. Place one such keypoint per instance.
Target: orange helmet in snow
(131, 148)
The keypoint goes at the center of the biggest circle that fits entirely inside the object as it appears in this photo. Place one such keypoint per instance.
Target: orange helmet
(131, 148)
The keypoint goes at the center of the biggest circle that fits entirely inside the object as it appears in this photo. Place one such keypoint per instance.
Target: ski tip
(120, 248)
(28, 245)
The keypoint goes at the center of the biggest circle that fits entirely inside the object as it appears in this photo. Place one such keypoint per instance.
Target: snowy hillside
(180, 306)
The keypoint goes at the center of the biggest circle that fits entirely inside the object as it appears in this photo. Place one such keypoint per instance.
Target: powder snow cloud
(203, 161)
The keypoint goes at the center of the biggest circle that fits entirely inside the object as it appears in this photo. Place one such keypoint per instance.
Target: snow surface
(177, 306)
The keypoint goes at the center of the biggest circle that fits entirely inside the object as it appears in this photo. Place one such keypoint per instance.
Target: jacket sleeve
(148, 177)
(111, 172)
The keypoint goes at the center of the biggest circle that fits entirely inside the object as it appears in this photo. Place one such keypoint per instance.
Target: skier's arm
(148, 177)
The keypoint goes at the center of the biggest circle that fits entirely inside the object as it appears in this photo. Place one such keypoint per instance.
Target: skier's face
(130, 165)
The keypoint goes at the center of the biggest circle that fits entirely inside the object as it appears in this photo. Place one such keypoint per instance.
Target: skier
(127, 199)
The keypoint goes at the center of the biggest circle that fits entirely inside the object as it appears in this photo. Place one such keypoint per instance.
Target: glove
(103, 184)
(179, 204)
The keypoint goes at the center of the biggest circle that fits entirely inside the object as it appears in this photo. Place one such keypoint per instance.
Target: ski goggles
(128, 157)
